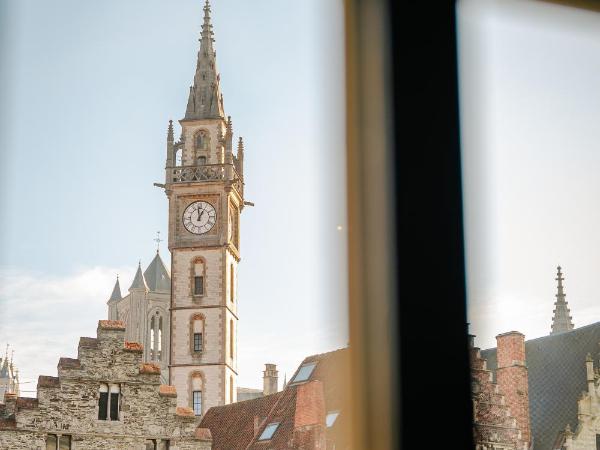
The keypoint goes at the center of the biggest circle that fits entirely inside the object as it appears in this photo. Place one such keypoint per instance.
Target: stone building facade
(145, 312)
(106, 398)
(586, 436)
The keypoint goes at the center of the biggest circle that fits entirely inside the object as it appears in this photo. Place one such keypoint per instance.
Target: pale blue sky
(530, 104)
(87, 91)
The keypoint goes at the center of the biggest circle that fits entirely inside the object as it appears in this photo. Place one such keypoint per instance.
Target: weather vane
(158, 240)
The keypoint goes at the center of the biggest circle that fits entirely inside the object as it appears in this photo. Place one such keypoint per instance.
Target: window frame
(274, 426)
(199, 392)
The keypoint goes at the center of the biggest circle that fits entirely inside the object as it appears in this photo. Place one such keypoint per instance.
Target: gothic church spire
(562, 320)
(116, 293)
(205, 100)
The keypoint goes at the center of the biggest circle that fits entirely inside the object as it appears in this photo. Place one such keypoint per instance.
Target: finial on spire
(158, 240)
(170, 137)
(562, 320)
(205, 100)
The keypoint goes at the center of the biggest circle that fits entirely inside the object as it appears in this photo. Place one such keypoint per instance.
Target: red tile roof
(150, 368)
(299, 409)
(111, 324)
(167, 391)
(133, 346)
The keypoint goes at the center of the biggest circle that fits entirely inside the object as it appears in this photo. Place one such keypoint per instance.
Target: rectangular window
(103, 405)
(197, 399)
(51, 442)
(198, 285)
(269, 431)
(197, 342)
(598, 442)
(108, 402)
(64, 442)
(304, 372)
(150, 444)
(165, 445)
(114, 406)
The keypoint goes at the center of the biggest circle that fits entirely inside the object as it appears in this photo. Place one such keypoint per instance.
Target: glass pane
(114, 406)
(530, 104)
(65, 442)
(268, 432)
(197, 400)
(51, 442)
(304, 372)
(331, 417)
(103, 406)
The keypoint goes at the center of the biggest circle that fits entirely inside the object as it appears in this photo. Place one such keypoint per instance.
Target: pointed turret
(562, 320)
(116, 292)
(157, 277)
(205, 100)
(139, 282)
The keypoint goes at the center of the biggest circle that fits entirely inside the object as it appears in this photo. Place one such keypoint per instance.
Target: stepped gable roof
(239, 425)
(557, 376)
(157, 277)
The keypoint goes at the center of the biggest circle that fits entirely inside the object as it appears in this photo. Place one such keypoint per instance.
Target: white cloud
(44, 316)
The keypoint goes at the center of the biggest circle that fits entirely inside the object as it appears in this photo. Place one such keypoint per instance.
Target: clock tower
(204, 185)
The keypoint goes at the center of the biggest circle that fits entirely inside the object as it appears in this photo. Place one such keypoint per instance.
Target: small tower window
(198, 285)
(231, 339)
(197, 399)
(197, 342)
(201, 160)
(232, 282)
(152, 349)
(159, 349)
(179, 157)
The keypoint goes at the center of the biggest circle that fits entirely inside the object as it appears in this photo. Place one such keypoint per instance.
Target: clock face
(199, 217)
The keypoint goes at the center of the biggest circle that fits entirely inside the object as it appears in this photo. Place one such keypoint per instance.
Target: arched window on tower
(198, 272)
(152, 349)
(159, 348)
(179, 157)
(202, 140)
(197, 343)
(197, 388)
(231, 338)
(231, 283)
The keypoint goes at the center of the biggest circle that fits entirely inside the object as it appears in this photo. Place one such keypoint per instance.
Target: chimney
(512, 379)
(309, 417)
(270, 379)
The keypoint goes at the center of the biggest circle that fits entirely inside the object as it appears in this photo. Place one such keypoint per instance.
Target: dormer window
(269, 431)
(304, 372)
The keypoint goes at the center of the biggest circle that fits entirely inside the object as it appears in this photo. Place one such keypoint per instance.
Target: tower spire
(205, 100)
(562, 320)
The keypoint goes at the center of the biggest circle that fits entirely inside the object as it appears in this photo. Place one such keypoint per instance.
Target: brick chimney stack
(270, 379)
(309, 417)
(512, 379)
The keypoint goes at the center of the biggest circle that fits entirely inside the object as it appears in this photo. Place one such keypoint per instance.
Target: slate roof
(116, 293)
(557, 376)
(238, 426)
(157, 277)
(139, 282)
